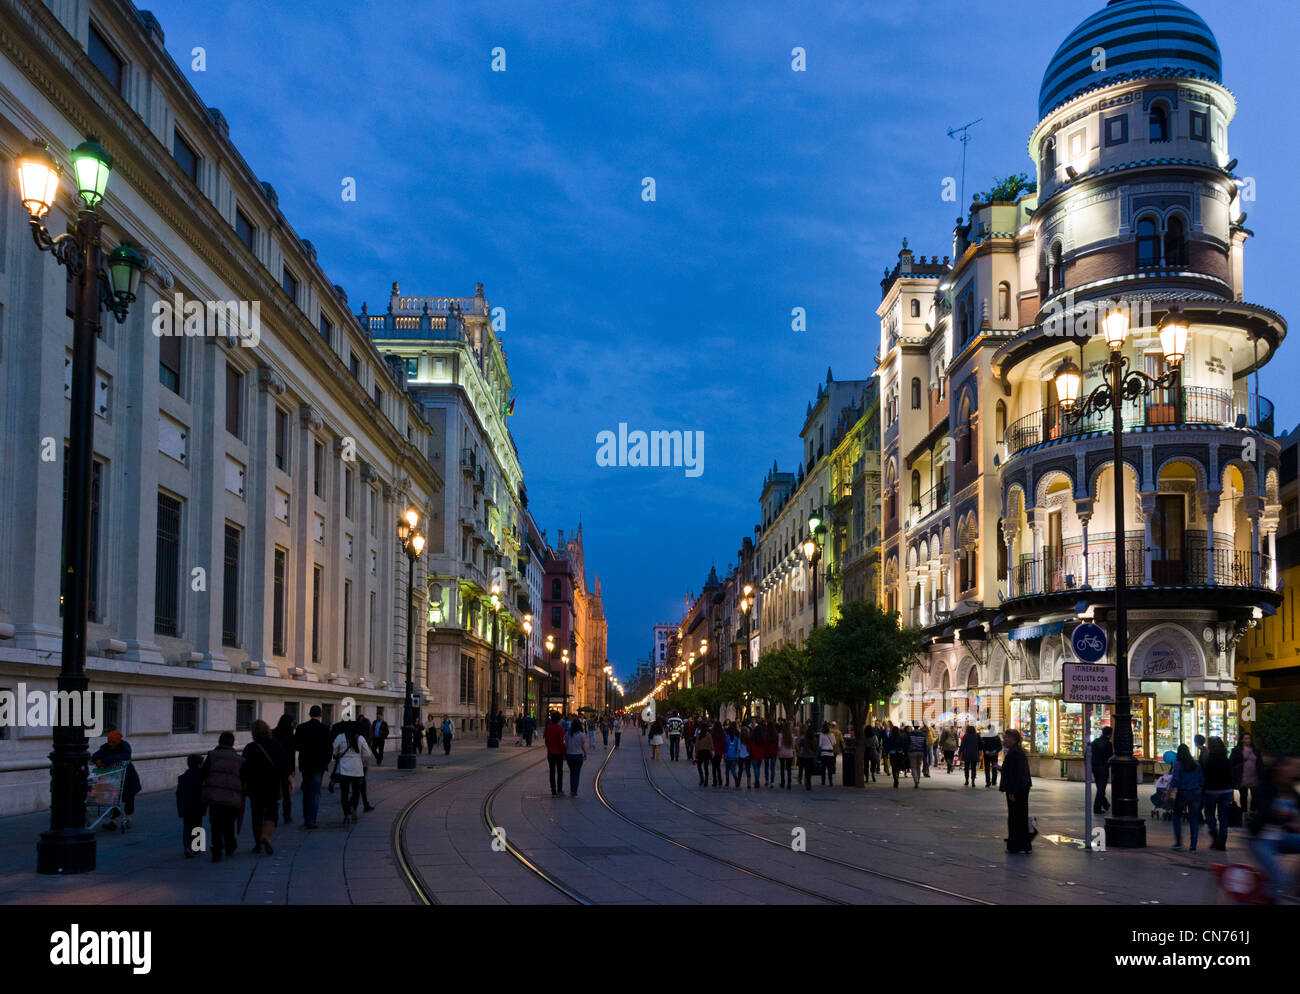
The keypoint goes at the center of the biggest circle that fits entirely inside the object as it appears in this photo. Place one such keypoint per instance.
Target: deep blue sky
(775, 189)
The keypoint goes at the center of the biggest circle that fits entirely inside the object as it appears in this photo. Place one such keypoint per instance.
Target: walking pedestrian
(656, 738)
(916, 750)
(871, 743)
(897, 751)
(618, 731)
(417, 737)
(1275, 823)
(1218, 791)
(314, 749)
(575, 747)
(931, 748)
(785, 753)
(1247, 771)
(1187, 783)
(363, 732)
(448, 731)
(553, 736)
(283, 733)
(379, 736)
(432, 732)
(223, 793)
(189, 802)
(807, 749)
(353, 756)
(688, 736)
(719, 736)
(114, 752)
(948, 745)
(970, 754)
(826, 753)
(1016, 784)
(733, 754)
(530, 729)
(674, 726)
(265, 770)
(992, 745)
(757, 752)
(703, 754)
(1102, 750)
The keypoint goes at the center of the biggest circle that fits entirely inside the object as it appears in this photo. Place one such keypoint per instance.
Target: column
(1035, 581)
(1146, 508)
(1084, 518)
(1272, 556)
(1210, 507)
(1010, 534)
(1254, 546)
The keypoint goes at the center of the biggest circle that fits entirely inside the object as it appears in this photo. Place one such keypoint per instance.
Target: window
(105, 59)
(245, 231)
(326, 329)
(185, 714)
(1158, 123)
(281, 440)
(245, 714)
(1058, 269)
(1148, 242)
(318, 469)
(1076, 145)
(1004, 301)
(374, 634)
(185, 156)
(347, 623)
(412, 368)
(916, 308)
(277, 601)
(315, 614)
(290, 284)
(234, 400)
(555, 588)
(372, 497)
(1200, 126)
(354, 365)
(112, 714)
(379, 397)
(327, 713)
(169, 362)
(916, 393)
(230, 587)
(555, 616)
(1117, 130)
(466, 665)
(291, 709)
(916, 487)
(167, 565)
(1049, 159)
(1175, 242)
(347, 493)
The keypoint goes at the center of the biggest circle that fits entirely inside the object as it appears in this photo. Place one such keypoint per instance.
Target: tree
(860, 658)
(707, 700)
(1008, 189)
(784, 676)
(735, 687)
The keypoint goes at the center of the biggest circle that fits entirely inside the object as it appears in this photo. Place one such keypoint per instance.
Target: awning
(1036, 631)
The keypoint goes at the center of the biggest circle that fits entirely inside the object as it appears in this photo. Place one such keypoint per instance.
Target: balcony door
(1168, 529)
(1160, 406)
(1053, 555)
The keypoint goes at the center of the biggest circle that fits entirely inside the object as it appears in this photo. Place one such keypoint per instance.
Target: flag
(509, 409)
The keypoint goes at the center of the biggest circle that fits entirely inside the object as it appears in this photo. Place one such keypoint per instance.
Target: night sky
(774, 190)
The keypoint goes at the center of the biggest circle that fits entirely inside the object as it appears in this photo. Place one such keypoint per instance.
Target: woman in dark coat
(431, 733)
(114, 752)
(970, 754)
(1016, 783)
(266, 767)
(284, 735)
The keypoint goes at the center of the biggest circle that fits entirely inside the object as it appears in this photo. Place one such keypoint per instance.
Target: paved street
(940, 844)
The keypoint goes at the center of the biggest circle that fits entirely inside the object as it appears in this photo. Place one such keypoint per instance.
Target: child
(189, 801)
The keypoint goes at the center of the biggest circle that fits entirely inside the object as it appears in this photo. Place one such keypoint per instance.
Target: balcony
(1190, 406)
(1187, 567)
(934, 499)
(468, 461)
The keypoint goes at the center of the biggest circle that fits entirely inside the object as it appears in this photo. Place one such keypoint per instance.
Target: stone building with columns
(245, 498)
(1137, 200)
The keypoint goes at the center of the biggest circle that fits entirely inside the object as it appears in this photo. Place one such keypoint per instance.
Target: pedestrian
(1275, 824)
(839, 743)
(826, 753)
(1016, 783)
(618, 730)
(189, 802)
(432, 733)
(363, 732)
(312, 744)
(283, 733)
(719, 736)
(656, 738)
(448, 730)
(703, 754)
(931, 747)
(575, 748)
(1101, 750)
(530, 729)
(417, 738)
(379, 736)
(353, 756)
(897, 751)
(604, 730)
(674, 726)
(1187, 784)
(733, 754)
(871, 742)
(264, 773)
(1218, 791)
(742, 754)
(757, 752)
(970, 754)
(785, 753)
(948, 745)
(1247, 771)
(116, 751)
(223, 793)
(991, 745)
(916, 750)
(1198, 743)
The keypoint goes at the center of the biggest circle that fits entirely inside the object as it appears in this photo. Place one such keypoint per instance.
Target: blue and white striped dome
(1139, 36)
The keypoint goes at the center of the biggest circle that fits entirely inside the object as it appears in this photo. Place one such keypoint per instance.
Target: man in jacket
(674, 737)
(223, 793)
(313, 743)
(380, 735)
(555, 749)
(1102, 750)
(917, 747)
(991, 744)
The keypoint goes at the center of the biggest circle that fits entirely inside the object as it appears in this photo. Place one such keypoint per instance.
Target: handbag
(1234, 815)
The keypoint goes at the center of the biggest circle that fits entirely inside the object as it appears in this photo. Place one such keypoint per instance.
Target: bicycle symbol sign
(1089, 642)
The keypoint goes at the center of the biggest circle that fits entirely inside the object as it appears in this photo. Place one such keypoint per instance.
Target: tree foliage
(1278, 727)
(1008, 189)
(782, 676)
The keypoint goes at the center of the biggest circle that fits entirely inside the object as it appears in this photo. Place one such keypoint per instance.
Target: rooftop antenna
(964, 132)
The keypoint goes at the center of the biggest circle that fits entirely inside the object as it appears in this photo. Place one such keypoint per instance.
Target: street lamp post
(526, 662)
(1124, 828)
(550, 649)
(412, 544)
(492, 740)
(564, 661)
(746, 606)
(812, 550)
(68, 846)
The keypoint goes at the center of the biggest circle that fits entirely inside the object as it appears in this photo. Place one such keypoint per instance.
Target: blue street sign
(1089, 642)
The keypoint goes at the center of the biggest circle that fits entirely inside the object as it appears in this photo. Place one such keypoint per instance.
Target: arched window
(1159, 123)
(916, 308)
(916, 486)
(1057, 270)
(1148, 242)
(965, 321)
(916, 393)
(1049, 159)
(1004, 301)
(1000, 421)
(1175, 242)
(966, 443)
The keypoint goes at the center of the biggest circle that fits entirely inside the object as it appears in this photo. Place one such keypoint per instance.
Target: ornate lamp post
(412, 544)
(812, 550)
(526, 662)
(492, 740)
(1124, 828)
(609, 678)
(68, 847)
(746, 606)
(564, 661)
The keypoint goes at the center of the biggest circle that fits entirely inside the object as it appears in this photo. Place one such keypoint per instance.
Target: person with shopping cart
(116, 752)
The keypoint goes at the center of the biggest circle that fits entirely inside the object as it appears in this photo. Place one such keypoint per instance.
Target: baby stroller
(1162, 806)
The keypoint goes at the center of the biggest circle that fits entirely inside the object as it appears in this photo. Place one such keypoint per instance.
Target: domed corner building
(998, 510)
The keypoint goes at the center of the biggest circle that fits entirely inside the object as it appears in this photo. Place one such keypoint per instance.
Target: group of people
(911, 750)
(566, 743)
